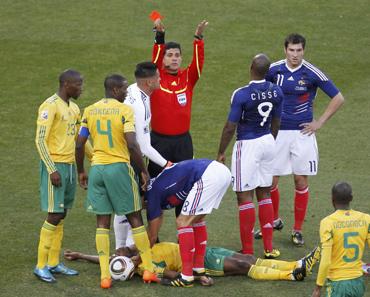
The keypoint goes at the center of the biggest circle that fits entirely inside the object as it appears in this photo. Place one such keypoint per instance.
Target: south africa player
(343, 235)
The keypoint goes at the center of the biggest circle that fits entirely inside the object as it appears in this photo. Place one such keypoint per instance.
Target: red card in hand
(155, 15)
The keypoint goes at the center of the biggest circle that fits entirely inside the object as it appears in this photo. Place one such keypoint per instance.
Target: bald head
(260, 66)
(341, 193)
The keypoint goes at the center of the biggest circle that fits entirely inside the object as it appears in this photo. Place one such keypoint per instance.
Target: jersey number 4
(107, 132)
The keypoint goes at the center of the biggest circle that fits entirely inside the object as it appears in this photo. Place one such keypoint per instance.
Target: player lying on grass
(218, 262)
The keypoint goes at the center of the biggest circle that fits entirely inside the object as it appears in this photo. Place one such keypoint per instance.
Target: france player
(296, 148)
(197, 185)
(255, 113)
(343, 235)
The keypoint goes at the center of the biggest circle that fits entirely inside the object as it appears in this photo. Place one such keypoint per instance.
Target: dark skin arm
(275, 126)
(80, 156)
(153, 229)
(226, 137)
(136, 157)
(56, 179)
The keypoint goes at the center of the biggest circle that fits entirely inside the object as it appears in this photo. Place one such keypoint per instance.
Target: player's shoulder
(133, 94)
(314, 70)
(276, 65)
(240, 91)
(50, 101)
(74, 106)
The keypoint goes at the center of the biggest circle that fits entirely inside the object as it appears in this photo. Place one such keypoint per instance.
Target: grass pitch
(39, 39)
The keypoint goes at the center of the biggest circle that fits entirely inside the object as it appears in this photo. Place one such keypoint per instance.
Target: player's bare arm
(153, 229)
(226, 137)
(316, 292)
(200, 28)
(80, 156)
(135, 155)
(275, 126)
(335, 103)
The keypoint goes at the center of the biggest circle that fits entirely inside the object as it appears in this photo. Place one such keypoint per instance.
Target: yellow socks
(54, 252)
(102, 246)
(47, 235)
(266, 273)
(142, 243)
(277, 264)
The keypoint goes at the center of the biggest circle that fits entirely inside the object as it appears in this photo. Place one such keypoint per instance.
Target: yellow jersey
(107, 120)
(165, 255)
(344, 233)
(57, 126)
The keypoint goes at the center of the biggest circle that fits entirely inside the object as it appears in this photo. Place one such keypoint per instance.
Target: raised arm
(196, 66)
(158, 47)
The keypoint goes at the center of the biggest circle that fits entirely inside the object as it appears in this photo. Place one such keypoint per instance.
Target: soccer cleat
(299, 273)
(149, 277)
(62, 269)
(180, 282)
(105, 283)
(278, 225)
(44, 275)
(202, 277)
(272, 254)
(297, 238)
(311, 259)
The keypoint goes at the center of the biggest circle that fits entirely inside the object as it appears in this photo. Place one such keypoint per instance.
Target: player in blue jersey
(197, 185)
(296, 148)
(255, 115)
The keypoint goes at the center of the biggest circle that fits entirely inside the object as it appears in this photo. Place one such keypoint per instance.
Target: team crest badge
(44, 115)
(181, 98)
(301, 82)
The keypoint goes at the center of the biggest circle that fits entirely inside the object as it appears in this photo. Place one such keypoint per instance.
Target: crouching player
(197, 185)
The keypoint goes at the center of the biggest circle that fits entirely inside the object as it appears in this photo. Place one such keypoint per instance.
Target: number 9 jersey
(106, 121)
(345, 232)
(253, 107)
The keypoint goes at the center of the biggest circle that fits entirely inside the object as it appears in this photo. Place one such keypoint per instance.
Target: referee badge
(181, 98)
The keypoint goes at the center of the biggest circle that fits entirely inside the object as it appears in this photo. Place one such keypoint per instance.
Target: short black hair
(69, 75)
(145, 70)
(113, 81)
(295, 38)
(342, 192)
(172, 44)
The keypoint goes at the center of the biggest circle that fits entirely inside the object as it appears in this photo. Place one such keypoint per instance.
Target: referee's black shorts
(174, 148)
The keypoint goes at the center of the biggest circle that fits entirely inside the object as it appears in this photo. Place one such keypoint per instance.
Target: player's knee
(300, 181)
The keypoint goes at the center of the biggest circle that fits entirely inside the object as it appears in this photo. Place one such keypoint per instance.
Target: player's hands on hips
(83, 180)
(221, 158)
(200, 28)
(316, 292)
(158, 25)
(55, 178)
(145, 177)
(310, 128)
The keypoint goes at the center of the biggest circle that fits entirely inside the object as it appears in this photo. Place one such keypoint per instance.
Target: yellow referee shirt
(107, 120)
(57, 126)
(343, 235)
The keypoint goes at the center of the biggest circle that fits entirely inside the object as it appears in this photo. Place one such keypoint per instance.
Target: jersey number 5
(351, 246)
(264, 112)
(107, 132)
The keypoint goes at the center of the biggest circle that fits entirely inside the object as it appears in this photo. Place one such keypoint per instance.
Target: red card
(155, 15)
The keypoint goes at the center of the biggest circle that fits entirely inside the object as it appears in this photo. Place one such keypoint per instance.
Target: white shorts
(295, 153)
(206, 194)
(251, 164)
(122, 232)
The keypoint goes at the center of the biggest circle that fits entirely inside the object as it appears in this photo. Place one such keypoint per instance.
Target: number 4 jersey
(346, 232)
(253, 108)
(106, 121)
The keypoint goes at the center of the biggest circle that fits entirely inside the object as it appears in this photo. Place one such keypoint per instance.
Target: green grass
(39, 39)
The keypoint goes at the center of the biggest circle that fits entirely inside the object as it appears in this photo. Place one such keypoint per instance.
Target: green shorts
(214, 260)
(112, 188)
(346, 288)
(57, 199)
